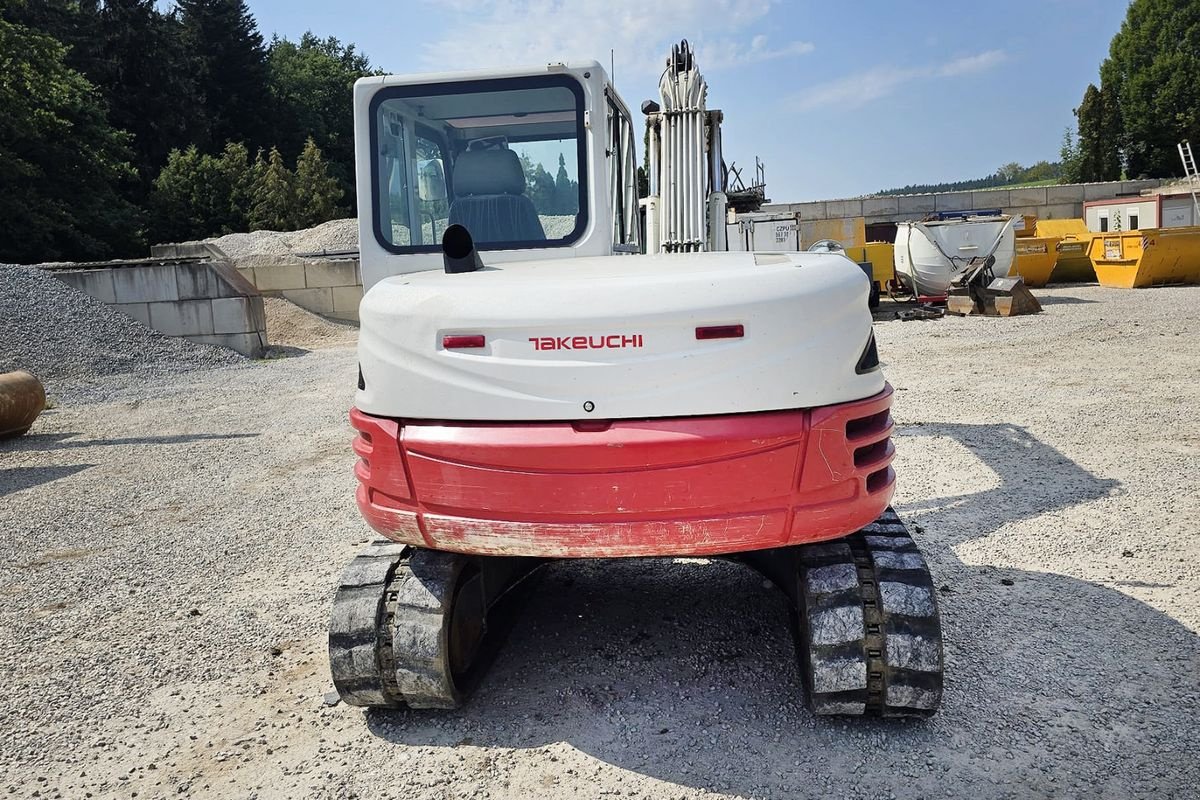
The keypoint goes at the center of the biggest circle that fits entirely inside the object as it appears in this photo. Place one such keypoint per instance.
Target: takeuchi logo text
(612, 341)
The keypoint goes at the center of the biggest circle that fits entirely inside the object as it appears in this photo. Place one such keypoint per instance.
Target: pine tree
(141, 67)
(62, 165)
(566, 191)
(274, 206)
(1099, 137)
(230, 64)
(312, 86)
(317, 194)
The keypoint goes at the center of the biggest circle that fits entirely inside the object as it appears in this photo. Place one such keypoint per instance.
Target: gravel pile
(292, 326)
(167, 568)
(270, 247)
(69, 339)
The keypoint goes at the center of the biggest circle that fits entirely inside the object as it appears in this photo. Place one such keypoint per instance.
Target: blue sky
(838, 99)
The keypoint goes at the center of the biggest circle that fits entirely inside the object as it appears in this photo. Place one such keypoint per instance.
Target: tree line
(124, 125)
(1012, 174)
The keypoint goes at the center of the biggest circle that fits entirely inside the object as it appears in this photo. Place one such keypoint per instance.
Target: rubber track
(387, 633)
(871, 640)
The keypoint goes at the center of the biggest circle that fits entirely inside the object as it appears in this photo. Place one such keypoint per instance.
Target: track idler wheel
(410, 627)
(870, 635)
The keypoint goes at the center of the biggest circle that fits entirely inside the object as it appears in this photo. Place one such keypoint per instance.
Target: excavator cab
(527, 163)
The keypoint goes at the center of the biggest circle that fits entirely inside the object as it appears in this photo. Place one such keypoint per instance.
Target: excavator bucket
(1002, 297)
(1009, 297)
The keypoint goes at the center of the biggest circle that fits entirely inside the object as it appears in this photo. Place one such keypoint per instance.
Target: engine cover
(619, 337)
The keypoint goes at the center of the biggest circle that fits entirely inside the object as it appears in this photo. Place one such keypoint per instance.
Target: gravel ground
(169, 556)
(72, 341)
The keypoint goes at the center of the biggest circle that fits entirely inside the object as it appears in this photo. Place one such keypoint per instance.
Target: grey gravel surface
(168, 560)
(72, 341)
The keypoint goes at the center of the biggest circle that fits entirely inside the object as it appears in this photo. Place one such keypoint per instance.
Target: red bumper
(683, 486)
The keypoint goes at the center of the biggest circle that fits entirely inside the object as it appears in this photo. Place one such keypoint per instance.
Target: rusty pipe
(22, 398)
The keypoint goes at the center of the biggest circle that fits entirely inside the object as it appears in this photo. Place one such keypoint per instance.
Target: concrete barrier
(329, 285)
(1047, 202)
(190, 291)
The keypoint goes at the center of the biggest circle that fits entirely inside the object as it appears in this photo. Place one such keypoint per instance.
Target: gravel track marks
(168, 561)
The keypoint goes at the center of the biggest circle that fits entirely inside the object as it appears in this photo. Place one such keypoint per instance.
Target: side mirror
(431, 180)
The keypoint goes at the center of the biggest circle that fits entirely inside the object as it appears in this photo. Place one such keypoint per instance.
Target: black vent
(869, 360)
(361, 383)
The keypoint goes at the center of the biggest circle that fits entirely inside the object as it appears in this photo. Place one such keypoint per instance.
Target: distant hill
(1042, 173)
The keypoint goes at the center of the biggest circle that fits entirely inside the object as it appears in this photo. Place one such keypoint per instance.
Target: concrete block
(916, 205)
(280, 277)
(357, 272)
(145, 284)
(880, 207)
(329, 273)
(182, 317)
(1103, 191)
(1068, 193)
(1139, 186)
(179, 250)
(1061, 211)
(317, 300)
(258, 314)
(1015, 211)
(232, 315)
(248, 274)
(837, 209)
(139, 311)
(229, 282)
(1028, 196)
(810, 210)
(248, 344)
(953, 201)
(989, 198)
(346, 300)
(194, 280)
(96, 282)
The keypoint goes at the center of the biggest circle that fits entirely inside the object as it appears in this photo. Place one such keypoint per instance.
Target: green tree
(1099, 137)
(139, 63)
(566, 191)
(312, 85)
(274, 197)
(62, 165)
(1010, 172)
(230, 65)
(1150, 77)
(541, 191)
(196, 195)
(317, 194)
(1068, 154)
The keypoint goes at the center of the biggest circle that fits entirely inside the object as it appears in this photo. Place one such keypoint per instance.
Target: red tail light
(721, 332)
(463, 342)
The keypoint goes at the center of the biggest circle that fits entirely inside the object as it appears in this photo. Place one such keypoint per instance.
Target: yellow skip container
(880, 254)
(1036, 256)
(1075, 241)
(1148, 257)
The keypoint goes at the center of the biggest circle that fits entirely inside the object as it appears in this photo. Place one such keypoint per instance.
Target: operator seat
(489, 198)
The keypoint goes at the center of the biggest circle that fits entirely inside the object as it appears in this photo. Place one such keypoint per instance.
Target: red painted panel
(686, 486)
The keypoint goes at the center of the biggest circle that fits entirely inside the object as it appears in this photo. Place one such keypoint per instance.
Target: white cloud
(854, 91)
(493, 34)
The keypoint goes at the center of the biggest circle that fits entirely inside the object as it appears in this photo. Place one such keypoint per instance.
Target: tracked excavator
(539, 380)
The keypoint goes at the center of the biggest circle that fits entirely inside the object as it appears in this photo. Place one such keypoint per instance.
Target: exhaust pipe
(458, 251)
